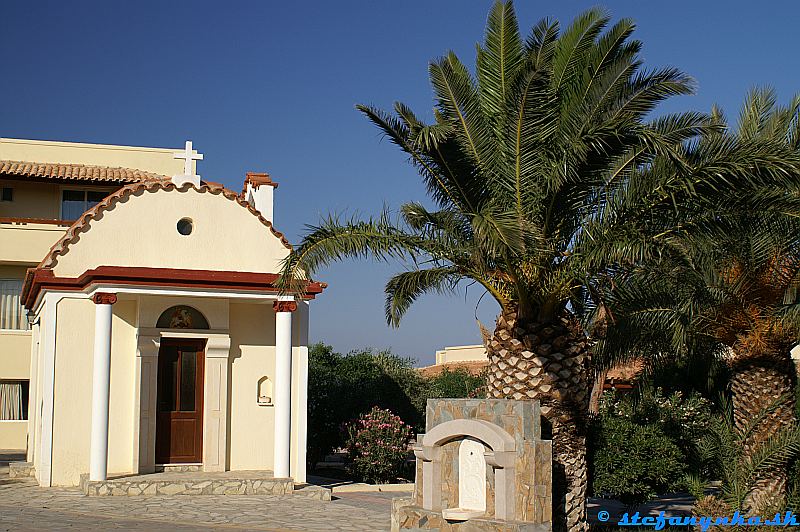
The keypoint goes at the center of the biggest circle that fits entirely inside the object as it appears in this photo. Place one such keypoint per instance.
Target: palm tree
(729, 285)
(534, 165)
(739, 465)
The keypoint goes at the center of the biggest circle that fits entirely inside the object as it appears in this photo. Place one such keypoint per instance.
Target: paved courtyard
(25, 506)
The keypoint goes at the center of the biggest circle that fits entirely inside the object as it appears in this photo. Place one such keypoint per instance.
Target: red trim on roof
(38, 279)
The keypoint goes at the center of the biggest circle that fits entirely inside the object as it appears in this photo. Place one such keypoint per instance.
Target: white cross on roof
(188, 155)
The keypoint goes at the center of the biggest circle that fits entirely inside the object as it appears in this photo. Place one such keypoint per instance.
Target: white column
(282, 389)
(101, 377)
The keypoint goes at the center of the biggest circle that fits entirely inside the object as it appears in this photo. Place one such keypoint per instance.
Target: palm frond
(404, 288)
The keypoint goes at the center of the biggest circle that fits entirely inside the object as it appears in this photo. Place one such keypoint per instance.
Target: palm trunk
(597, 392)
(547, 361)
(762, 389)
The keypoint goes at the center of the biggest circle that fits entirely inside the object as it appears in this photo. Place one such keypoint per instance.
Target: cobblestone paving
(25, 506)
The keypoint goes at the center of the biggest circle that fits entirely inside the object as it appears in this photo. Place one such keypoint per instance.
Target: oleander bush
(377, 446)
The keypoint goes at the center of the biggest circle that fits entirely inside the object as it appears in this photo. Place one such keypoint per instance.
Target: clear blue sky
(271, 86)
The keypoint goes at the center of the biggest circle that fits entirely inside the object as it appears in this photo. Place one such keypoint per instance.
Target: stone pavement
(25, 506)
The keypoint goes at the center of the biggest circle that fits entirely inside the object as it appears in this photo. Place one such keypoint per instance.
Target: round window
(185, 226)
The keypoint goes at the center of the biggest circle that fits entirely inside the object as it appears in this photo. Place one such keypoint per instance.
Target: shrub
(457, 383)
(342, 387)
(377, 445)
(684, 419)
(633, 462)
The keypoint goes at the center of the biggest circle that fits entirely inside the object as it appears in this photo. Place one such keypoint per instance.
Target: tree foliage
(635, 462)
(342, 387)
(738, 468)
(729, 277)
(539, 169)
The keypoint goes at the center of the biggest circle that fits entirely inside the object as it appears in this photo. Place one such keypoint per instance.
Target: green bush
(377, 446)
(633, 462)
(342, 387)
(457, 383)
(682, 418)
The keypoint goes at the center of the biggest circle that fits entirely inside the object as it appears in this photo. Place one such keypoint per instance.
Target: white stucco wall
(13, 434)
(121, 405)
(73, 390)
(226, 236)
(252, 357)
(156, 160)
(461, 353)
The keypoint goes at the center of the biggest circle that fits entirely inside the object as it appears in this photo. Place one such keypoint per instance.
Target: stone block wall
(532, 466)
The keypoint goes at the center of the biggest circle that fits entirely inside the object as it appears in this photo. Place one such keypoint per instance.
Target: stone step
(310, 491)
(21, 469)
(179, 468)
(183, 483)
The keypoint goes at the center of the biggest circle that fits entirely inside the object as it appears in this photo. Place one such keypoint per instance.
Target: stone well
(481, 465)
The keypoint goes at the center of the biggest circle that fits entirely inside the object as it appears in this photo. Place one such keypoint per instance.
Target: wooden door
(179, 417)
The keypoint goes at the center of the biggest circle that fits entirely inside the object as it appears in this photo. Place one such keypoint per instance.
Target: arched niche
(182, 317)
(264, 391)
(475, 436)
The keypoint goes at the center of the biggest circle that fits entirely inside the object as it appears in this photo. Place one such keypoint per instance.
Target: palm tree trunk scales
(547, 362)
(762, 389)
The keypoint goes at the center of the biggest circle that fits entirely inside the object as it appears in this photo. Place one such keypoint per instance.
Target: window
(13, 400)
(76, 202)
(185, 226)
(6, 194)
(12, 313)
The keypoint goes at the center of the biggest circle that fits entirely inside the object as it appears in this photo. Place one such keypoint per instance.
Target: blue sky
(271, 86)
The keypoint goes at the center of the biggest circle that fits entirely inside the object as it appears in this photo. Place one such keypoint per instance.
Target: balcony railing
(46, 221)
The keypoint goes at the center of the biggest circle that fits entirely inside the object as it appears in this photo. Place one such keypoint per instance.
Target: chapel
(158, 336)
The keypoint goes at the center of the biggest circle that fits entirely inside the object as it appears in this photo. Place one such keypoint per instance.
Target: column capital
(104, 298)
(284, 306)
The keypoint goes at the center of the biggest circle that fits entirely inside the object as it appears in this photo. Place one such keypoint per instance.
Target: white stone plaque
(471, 476)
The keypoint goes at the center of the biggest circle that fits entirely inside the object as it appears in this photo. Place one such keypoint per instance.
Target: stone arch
(496, 438)
(501, 456)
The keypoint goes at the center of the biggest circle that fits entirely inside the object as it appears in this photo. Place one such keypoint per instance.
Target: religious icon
(181, 319)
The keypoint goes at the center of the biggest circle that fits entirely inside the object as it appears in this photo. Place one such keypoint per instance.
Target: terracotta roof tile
(627, 371)
(77, 172)
(475, 367)
(82, 224)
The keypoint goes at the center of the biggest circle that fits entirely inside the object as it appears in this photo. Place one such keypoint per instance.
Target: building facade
(142, 325)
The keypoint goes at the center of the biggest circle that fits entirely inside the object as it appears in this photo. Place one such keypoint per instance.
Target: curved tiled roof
(82, 224)
(77, 172)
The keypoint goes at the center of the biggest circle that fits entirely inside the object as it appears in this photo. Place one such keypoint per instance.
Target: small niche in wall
(264, 391)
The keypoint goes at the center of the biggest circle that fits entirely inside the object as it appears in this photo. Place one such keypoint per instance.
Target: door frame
(200, 345)
(215, 404)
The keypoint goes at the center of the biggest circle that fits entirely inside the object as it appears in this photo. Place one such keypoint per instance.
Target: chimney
(258, 190)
